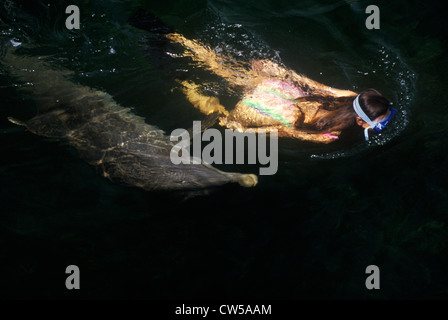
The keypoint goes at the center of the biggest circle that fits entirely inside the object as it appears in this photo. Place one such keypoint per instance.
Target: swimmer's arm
(307, 136)
(284, 132)
(272, 69)
(331, 91)
(314, 85)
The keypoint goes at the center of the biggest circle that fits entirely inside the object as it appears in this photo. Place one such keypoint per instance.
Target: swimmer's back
(275, 99)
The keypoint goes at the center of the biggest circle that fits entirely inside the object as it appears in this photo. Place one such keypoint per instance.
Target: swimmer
(275, 98)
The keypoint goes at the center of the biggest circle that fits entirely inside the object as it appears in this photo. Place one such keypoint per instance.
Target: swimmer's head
(370, 110)
(373, 111)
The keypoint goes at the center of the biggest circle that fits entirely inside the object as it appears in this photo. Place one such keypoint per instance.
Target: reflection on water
(308, 231)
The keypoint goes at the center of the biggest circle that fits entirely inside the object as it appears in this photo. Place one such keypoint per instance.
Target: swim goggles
(376, 126)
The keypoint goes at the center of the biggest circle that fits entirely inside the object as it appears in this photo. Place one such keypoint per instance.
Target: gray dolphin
(121, 144)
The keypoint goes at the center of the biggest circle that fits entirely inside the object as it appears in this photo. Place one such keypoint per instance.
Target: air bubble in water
(15, 43)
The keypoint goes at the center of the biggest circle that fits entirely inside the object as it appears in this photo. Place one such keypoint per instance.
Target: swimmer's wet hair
(342, 115)
(373, 103)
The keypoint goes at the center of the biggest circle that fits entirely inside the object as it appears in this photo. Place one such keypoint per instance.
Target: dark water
(309, 231)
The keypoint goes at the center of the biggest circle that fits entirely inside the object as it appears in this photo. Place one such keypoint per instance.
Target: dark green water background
(309, 231)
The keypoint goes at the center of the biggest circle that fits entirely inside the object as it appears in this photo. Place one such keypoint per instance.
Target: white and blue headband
(378, 126)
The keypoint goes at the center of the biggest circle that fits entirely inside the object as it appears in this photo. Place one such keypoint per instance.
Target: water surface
(309, 231)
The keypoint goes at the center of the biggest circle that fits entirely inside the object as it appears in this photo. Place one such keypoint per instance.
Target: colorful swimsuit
(276, 99)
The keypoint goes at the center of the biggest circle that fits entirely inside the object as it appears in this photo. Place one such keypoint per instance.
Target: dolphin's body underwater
(121, 144)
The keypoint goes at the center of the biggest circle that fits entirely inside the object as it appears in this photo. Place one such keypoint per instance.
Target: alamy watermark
(72, 281)
(72, 21)
(373, 280)
(372, 21)
(235, 146)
